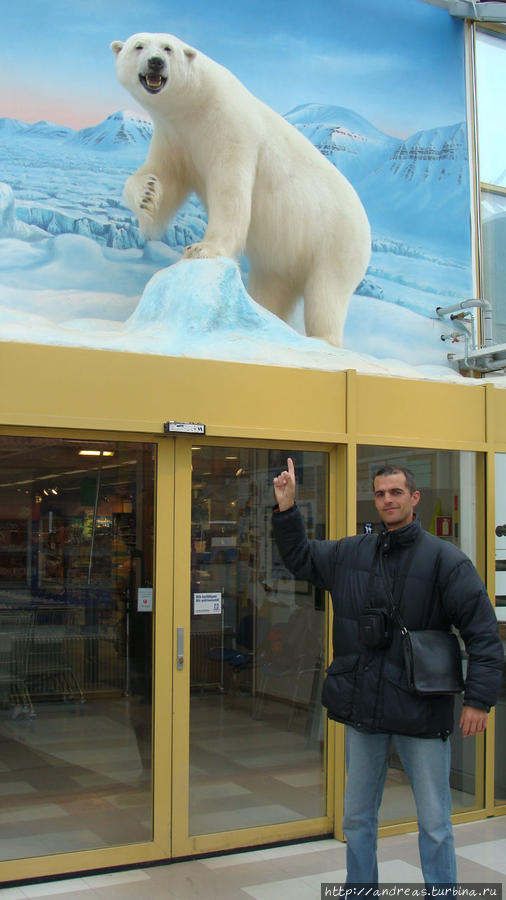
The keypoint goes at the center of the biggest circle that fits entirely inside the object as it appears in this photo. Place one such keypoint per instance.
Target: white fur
(268, 192)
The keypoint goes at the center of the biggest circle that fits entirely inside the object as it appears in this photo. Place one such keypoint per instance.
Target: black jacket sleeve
(313, 561)
(468, 606)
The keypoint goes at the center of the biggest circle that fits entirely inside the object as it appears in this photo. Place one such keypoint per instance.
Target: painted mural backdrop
(378, 89)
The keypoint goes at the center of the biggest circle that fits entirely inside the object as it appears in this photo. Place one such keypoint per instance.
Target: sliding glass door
(253, 659)
(76, 601)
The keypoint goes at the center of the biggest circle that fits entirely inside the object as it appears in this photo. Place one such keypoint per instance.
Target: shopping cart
(15, 630)
(48, 668)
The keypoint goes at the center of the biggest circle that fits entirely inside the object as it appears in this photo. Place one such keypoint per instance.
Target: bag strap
(372, 572)
(396, 597)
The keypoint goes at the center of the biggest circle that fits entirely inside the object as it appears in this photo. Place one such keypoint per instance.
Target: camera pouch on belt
(375, 628)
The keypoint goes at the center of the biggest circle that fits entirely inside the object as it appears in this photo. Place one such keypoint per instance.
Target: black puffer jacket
(442, 588)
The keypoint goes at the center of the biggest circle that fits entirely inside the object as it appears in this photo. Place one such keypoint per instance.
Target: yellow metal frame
(65, 392)
(184, 844)
(159, 847)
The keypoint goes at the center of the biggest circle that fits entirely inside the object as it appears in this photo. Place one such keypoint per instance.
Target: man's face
(393, 500)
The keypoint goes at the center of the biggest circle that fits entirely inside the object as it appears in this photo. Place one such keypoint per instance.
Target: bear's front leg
(229, 186)
(143, 195)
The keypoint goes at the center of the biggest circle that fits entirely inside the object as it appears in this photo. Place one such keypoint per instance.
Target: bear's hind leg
(272, 291)
(326, 301)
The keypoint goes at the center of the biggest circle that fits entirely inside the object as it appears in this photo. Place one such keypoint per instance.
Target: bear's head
(147, 63)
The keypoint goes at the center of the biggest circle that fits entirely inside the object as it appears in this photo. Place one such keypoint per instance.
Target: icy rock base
(201, 309)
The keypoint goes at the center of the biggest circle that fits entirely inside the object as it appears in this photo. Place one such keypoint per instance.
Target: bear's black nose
(155, 63)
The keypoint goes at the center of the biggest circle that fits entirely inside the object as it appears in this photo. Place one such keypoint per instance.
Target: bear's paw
(149, 200)
(143, 194)
(203, 250)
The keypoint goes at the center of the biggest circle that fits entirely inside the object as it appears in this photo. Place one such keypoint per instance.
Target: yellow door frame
(159, 848)
(184, 844)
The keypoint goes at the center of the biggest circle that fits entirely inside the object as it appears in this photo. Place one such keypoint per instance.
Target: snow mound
(201, 309)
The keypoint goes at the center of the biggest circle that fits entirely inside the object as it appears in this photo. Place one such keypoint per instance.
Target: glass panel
(76, 550)
(491, 106)
(491, 111)
(257, 637)
(500, 599)
(493, 219)
(447, 508)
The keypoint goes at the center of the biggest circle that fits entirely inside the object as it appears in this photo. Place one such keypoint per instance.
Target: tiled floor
(281, 873)
(68, 774)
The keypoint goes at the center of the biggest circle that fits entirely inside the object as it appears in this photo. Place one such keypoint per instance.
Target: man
(438, 586)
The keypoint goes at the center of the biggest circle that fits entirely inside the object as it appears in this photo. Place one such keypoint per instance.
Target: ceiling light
(96, 452)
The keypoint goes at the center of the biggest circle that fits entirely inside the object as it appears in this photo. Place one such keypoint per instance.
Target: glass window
(500, 599)
(257, 639)
(447, 509)
(491, 105)
(491, 116)
(493, 226)
(76, 585)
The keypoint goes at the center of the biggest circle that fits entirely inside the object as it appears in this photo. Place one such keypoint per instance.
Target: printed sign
(145, 600)
(207, 604)
(444, 526)
(184, 428)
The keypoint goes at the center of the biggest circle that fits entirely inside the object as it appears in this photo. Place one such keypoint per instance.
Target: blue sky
(399, 63)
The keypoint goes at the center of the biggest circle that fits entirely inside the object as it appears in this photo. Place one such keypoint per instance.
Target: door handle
(180, 648)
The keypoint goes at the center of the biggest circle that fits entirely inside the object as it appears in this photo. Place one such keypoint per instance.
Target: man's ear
(116, 46)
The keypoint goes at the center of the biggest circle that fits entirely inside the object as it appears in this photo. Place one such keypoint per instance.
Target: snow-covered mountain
(417, 187)
(121, 129)
(348, 140)
(353, 144)
(426, 181)
(42, 129)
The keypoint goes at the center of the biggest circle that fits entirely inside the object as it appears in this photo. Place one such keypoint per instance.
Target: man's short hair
(395, 470)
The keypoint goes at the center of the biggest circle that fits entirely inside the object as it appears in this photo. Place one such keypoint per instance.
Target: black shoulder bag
(432, 658)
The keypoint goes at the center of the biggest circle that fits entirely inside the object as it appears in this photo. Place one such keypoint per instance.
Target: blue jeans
(427, 765)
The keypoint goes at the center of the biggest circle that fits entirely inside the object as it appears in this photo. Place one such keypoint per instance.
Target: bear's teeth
(154, 82)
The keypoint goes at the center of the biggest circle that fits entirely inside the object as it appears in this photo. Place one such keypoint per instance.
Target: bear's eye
(168, 49)
(140, 47)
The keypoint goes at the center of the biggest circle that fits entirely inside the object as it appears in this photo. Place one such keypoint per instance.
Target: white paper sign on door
(145, 600)
(207, 604)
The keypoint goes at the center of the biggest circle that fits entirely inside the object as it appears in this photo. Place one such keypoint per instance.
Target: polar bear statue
(268, 192)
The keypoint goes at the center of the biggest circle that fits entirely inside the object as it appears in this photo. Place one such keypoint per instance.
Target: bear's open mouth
(153, 82)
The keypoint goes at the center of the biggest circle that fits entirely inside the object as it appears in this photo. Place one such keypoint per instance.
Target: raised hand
(284, 487)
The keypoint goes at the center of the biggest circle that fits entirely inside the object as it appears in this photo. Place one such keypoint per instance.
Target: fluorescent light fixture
(96, 452)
